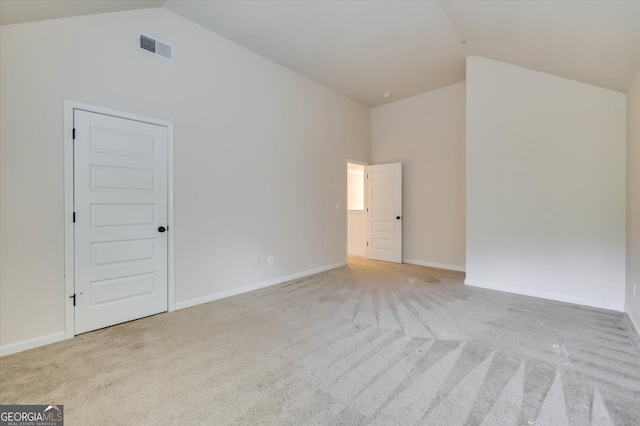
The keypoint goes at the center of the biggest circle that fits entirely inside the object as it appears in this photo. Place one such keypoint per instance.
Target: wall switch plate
(270, 260)
(256, 263)
(429, 246)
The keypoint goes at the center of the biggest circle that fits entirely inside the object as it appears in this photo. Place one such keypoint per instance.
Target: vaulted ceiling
(366, 48)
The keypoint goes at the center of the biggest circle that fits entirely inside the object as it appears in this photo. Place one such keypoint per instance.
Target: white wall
(259, 156)
(427, 134)
(545, 185)
(633, 201)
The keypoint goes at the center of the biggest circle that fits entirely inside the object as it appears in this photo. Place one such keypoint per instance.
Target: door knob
(398, 217)
(162, 229)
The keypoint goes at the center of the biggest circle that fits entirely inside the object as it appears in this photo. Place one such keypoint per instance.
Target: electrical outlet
(256, 263)
(429, 246)
(270, 260)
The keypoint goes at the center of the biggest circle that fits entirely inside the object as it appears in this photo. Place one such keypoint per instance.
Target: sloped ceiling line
(366, 48)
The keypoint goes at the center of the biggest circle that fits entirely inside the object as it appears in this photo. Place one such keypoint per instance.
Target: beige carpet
(371, 343)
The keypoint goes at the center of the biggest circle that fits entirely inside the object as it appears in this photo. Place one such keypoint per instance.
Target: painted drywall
(632, 305)
(259, 157)
(427, 134)
(545, 185)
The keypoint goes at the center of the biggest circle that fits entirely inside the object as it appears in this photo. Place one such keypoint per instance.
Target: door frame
(345, 203)
(69, 241)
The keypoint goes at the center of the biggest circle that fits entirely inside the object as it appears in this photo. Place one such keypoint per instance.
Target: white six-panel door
(384, 218)
(120, 204)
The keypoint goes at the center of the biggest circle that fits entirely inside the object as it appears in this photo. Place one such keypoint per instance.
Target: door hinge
(74, 217)
(74, 134)
(367, 242)
(73, 296)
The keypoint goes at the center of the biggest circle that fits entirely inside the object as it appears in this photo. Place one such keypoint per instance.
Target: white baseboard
(233, 292)
(58, 337)
(31, 343)
(356, 251)
(545, 295)
(634, 324)
(435, 265)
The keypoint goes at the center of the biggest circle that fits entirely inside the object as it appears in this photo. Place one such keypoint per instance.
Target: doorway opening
(356, 209)
(374, 211)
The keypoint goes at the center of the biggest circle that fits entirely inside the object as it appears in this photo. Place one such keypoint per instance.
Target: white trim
(69, 107)
(32, 343)
(256, 286)
(435, 265)
(69, 279)
(356, 251)
(634, 325)
(171, 282)
(545, 295)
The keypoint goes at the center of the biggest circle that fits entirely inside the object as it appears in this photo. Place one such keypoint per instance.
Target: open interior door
(384, 212)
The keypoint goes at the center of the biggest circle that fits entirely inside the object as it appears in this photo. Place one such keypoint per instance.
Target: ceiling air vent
(155, 46)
